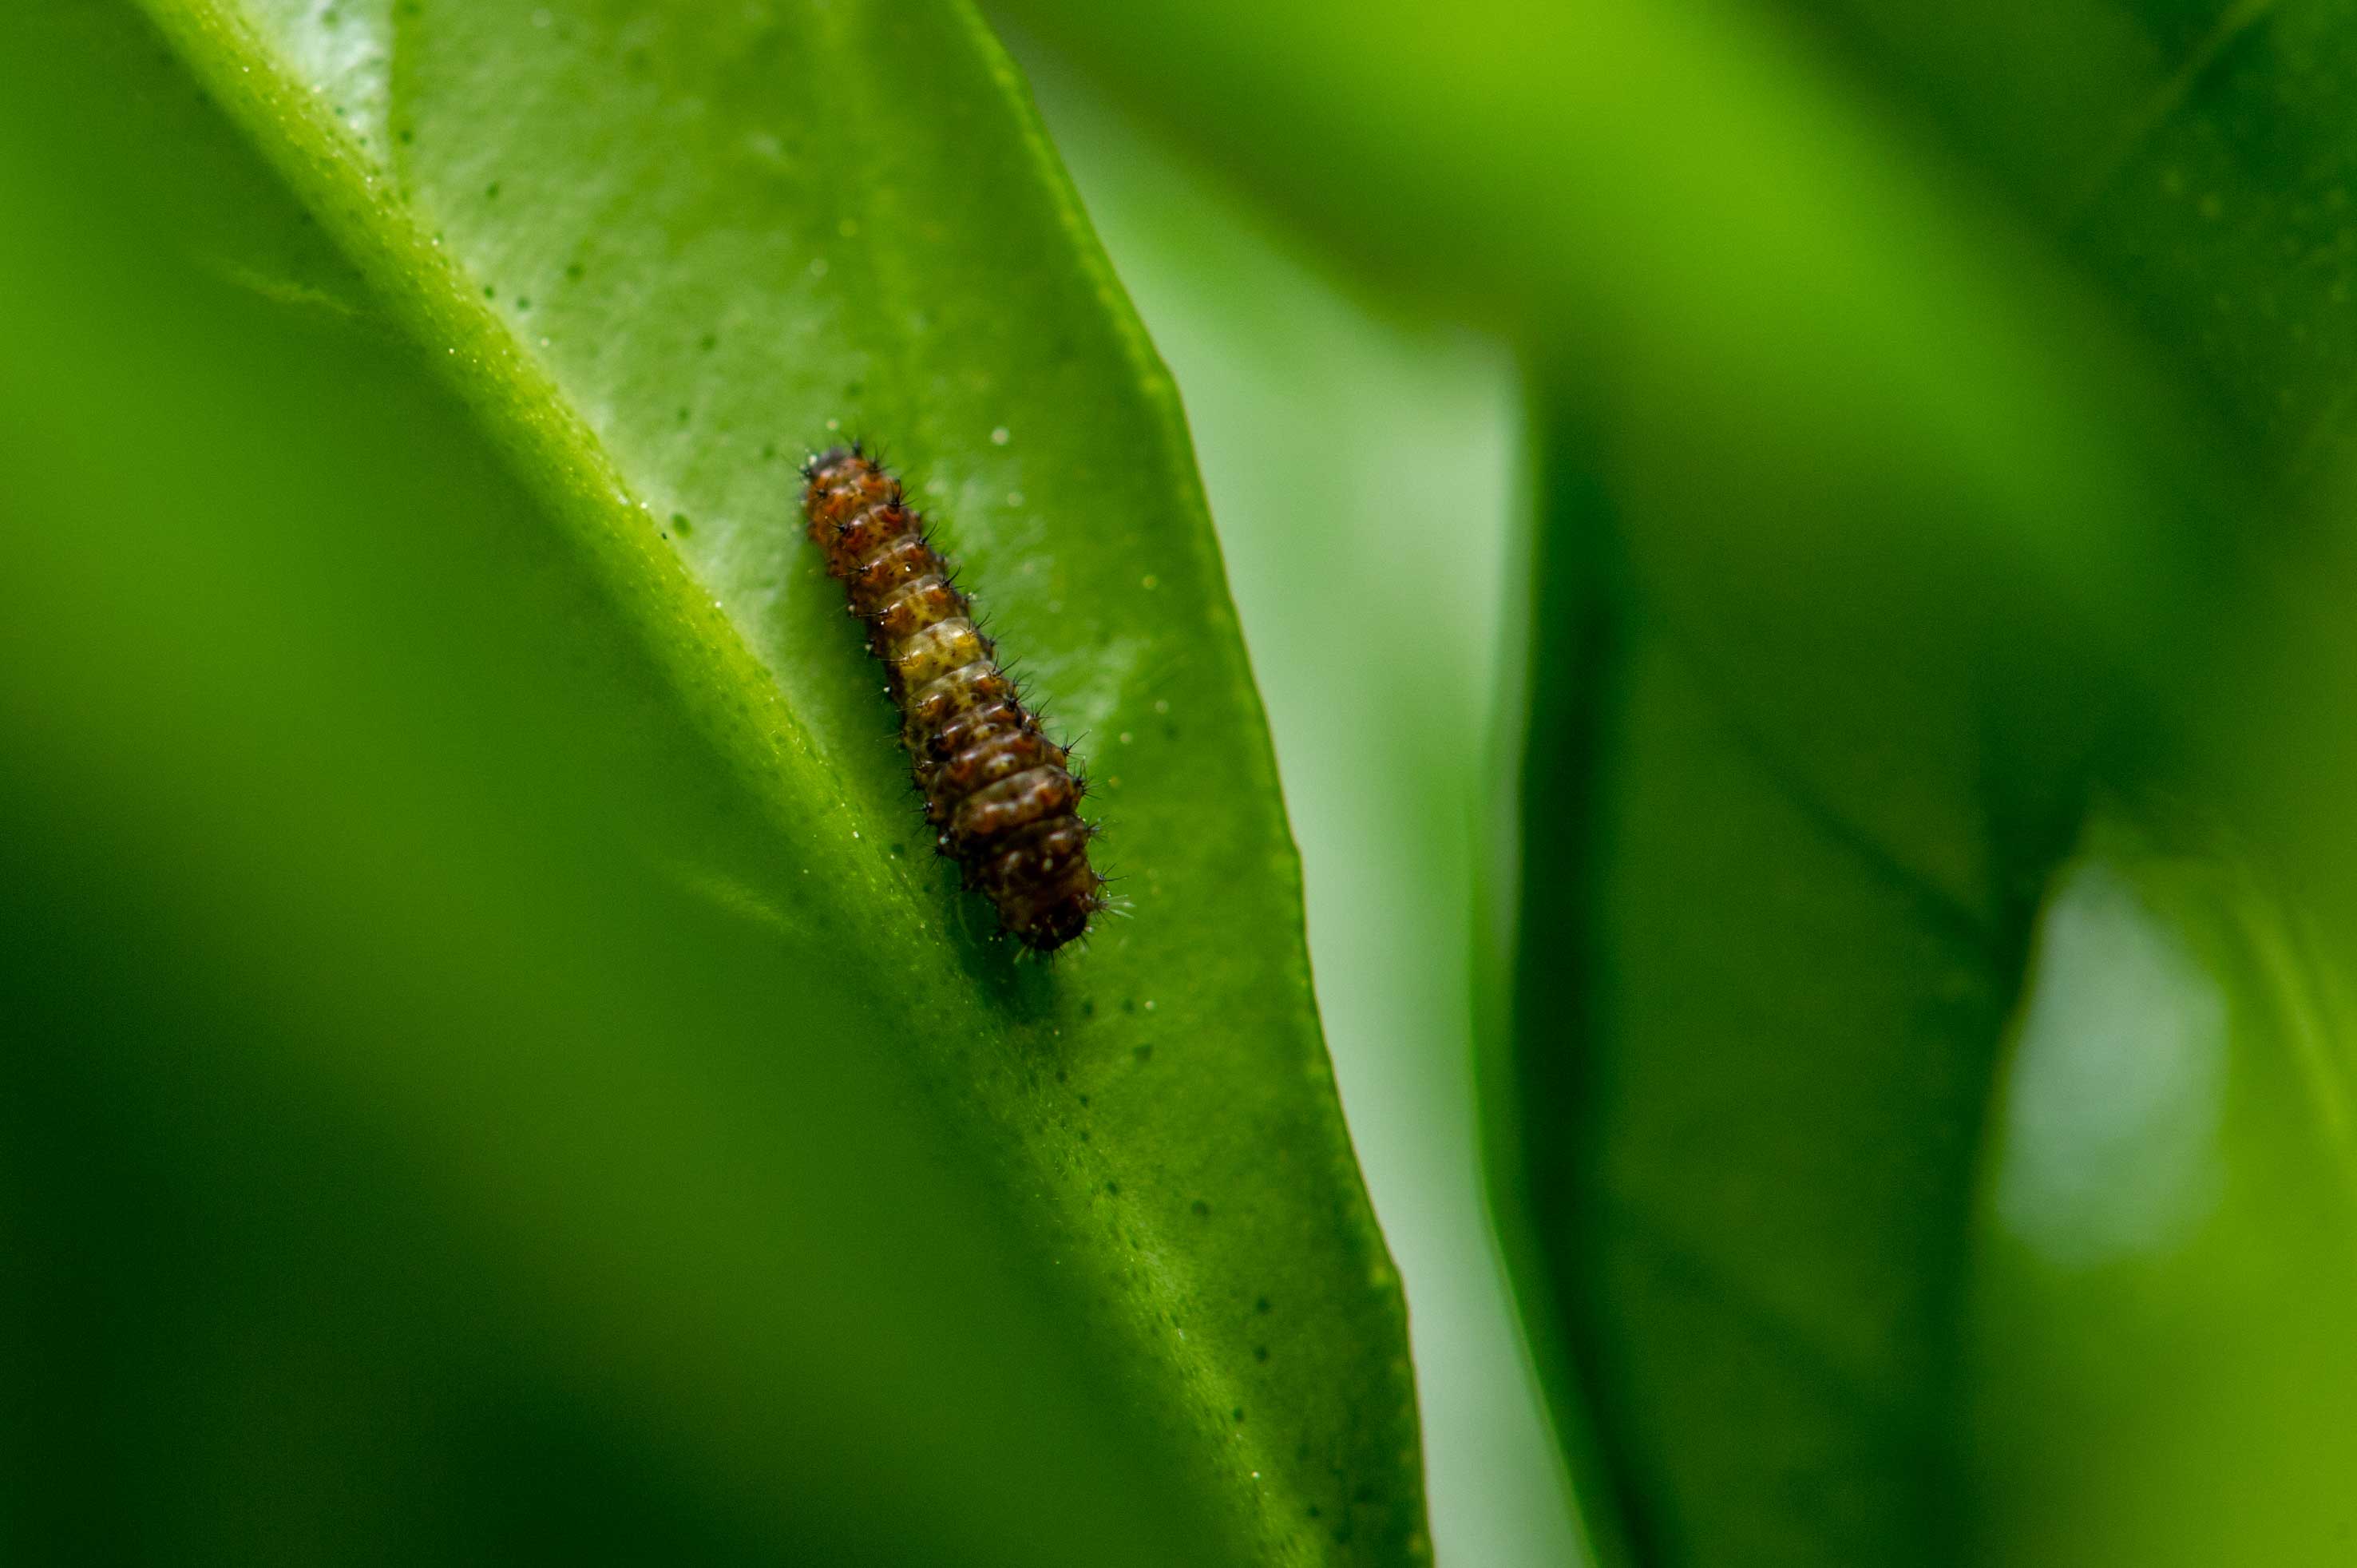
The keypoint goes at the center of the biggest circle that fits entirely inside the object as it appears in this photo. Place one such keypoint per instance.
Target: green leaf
(1888, 506)
(1752, 1024)
(2162, 1286)
(2194, 157)
(1689, 215)
(538, 1089)
(1332, 432)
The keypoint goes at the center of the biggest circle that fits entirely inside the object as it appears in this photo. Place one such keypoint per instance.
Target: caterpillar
(1003, 798)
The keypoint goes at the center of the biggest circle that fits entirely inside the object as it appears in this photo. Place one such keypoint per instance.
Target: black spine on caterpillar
(1001, 796)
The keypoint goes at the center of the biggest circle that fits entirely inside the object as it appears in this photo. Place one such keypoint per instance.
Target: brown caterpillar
(1002, 796)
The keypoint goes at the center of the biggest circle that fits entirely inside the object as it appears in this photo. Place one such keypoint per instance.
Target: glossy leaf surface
(516, 837)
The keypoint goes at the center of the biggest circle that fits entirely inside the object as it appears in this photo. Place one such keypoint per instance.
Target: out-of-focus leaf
(1685, 208)
(1763, 966)
(1854, 497)
(1874, 536)
(508, 1072)
(2195, 160)
(2163, 1291)
(2174, 1397)
(2195, 155)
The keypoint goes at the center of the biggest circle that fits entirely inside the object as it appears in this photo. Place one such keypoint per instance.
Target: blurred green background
(1917, 1071)
(1790, 558)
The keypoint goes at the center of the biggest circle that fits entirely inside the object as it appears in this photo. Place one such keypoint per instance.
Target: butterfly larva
(1001, 796)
